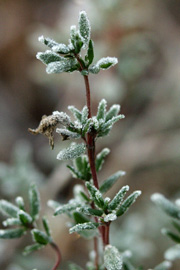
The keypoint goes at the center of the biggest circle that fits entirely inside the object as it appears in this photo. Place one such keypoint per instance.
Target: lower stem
(58, 253)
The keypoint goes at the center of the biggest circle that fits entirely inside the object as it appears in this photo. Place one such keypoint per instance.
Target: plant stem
(55, 247)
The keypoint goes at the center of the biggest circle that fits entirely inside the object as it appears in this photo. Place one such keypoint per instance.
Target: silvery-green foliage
(12, 233)
(84, 27)
(83, 227)
(79, 218)
(34, 201)
(25, 218)
(40, 237)
(117, 200)
(46, 226)
(66, 134)
(103, 63)
(48, 57)
(32, 248)
(20, 202)
(100, 158)
(110, 217)
(11, 222)
(101, 113)
(173, 253)
(47, 41)
(95, 195)
(173, 236)
(65, 65)
(113, 111)
(8, 209)
(62, 118)
(167, 206)
(110, 181)
(67, 208)
(77, 114)
(81, 168)
(163, 266)
(128, 202)
(112, 258)
(72, 152)
(90, 54)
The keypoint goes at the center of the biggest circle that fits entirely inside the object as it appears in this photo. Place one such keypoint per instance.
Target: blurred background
(144, 35)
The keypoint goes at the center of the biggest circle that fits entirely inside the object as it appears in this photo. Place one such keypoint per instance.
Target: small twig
(58, 253)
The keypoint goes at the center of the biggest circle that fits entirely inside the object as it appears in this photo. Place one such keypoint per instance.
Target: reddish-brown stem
(58, 253)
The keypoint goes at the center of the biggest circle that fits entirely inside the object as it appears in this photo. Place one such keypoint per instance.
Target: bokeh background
(144, 35)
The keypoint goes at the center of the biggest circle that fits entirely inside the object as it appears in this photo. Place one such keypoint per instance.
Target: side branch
(58, 253)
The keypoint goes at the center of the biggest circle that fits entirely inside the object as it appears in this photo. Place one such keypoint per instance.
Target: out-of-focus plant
(90, 210)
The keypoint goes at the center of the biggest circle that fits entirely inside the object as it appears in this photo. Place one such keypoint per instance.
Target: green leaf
(112, 258)
(95, 212)
(94, 69)
(66, 134)
(61, 48)
(85, 72)
(11, 222)
(109, 182)
(96, 195)
(77, 114)
(34, 201)
(20, 202)
(113, 111)
(25, 218)
(101, 109)
(82, 168)
(173, 253)
(84, 114)
(73, 266)
(40, 237)
(83, 226)
(12, 233)
(168, 207)
(176, 225)
(46, 226)
(90, 53)
(128, 202)
(100, 158)
(116, 201)
(107, 62)
(67, 208)
(65, 65)
(72, 152)
(48, 41)
(74, 172)
(171, 235)
(8, 209)
(48, 57)
(32, 248)
(113, 120)
(163, 266)
(80, 218)
(84, 27)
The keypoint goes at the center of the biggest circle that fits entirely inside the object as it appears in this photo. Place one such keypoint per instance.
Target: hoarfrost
(107, 62)
(60, 48)
(11, 222)
(66, 134)
(173, 253)
(84, 27)
(8, 209)
(110, 217)
(82, 227)
(63, 118)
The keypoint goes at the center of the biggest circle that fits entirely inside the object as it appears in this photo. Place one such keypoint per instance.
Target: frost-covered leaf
(107, 62)
(12, 233)
(113, 120)
(11, 222)
(48, 57)
(83, 226)
(170, 234)
(113, 111)
(74, 172)
(100, 158)
(61, 48)
(82, 168)
(72, 152)
(95, 194)
(84, 27)
(48, 41)
(20, 202)
(173, 253)
(65, 65)
(84, 114)
(80, 218)
(8, 209)
(128, 202)
(109, 182)
(40, 237)
(67, 208)
(101, 113)
(116, 201)
(112, 258)
(94, 69)
(32, 248)
(34, 201)
(77, 114)
(163, 266)
(168, 207)
(25, 218)
(66, 134)
(53, 204)
(46, 226)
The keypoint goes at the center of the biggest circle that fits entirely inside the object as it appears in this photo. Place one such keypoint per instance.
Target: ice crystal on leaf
(84, 27)
(110, 217)
(83, 227)
(112, 258)
(72, 152)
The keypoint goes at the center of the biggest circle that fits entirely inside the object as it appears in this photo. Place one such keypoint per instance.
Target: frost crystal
(66, 134)
(74, 151)
(173, 253)
(61, 48)
(63, 118)
(82, 227)
(113, 111)
(11, 222)
(65, 65)
(107, 62)
(48, 57)
(110, 217)
(112, 258)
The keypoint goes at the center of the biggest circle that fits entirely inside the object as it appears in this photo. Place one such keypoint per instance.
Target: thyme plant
(90, 211)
